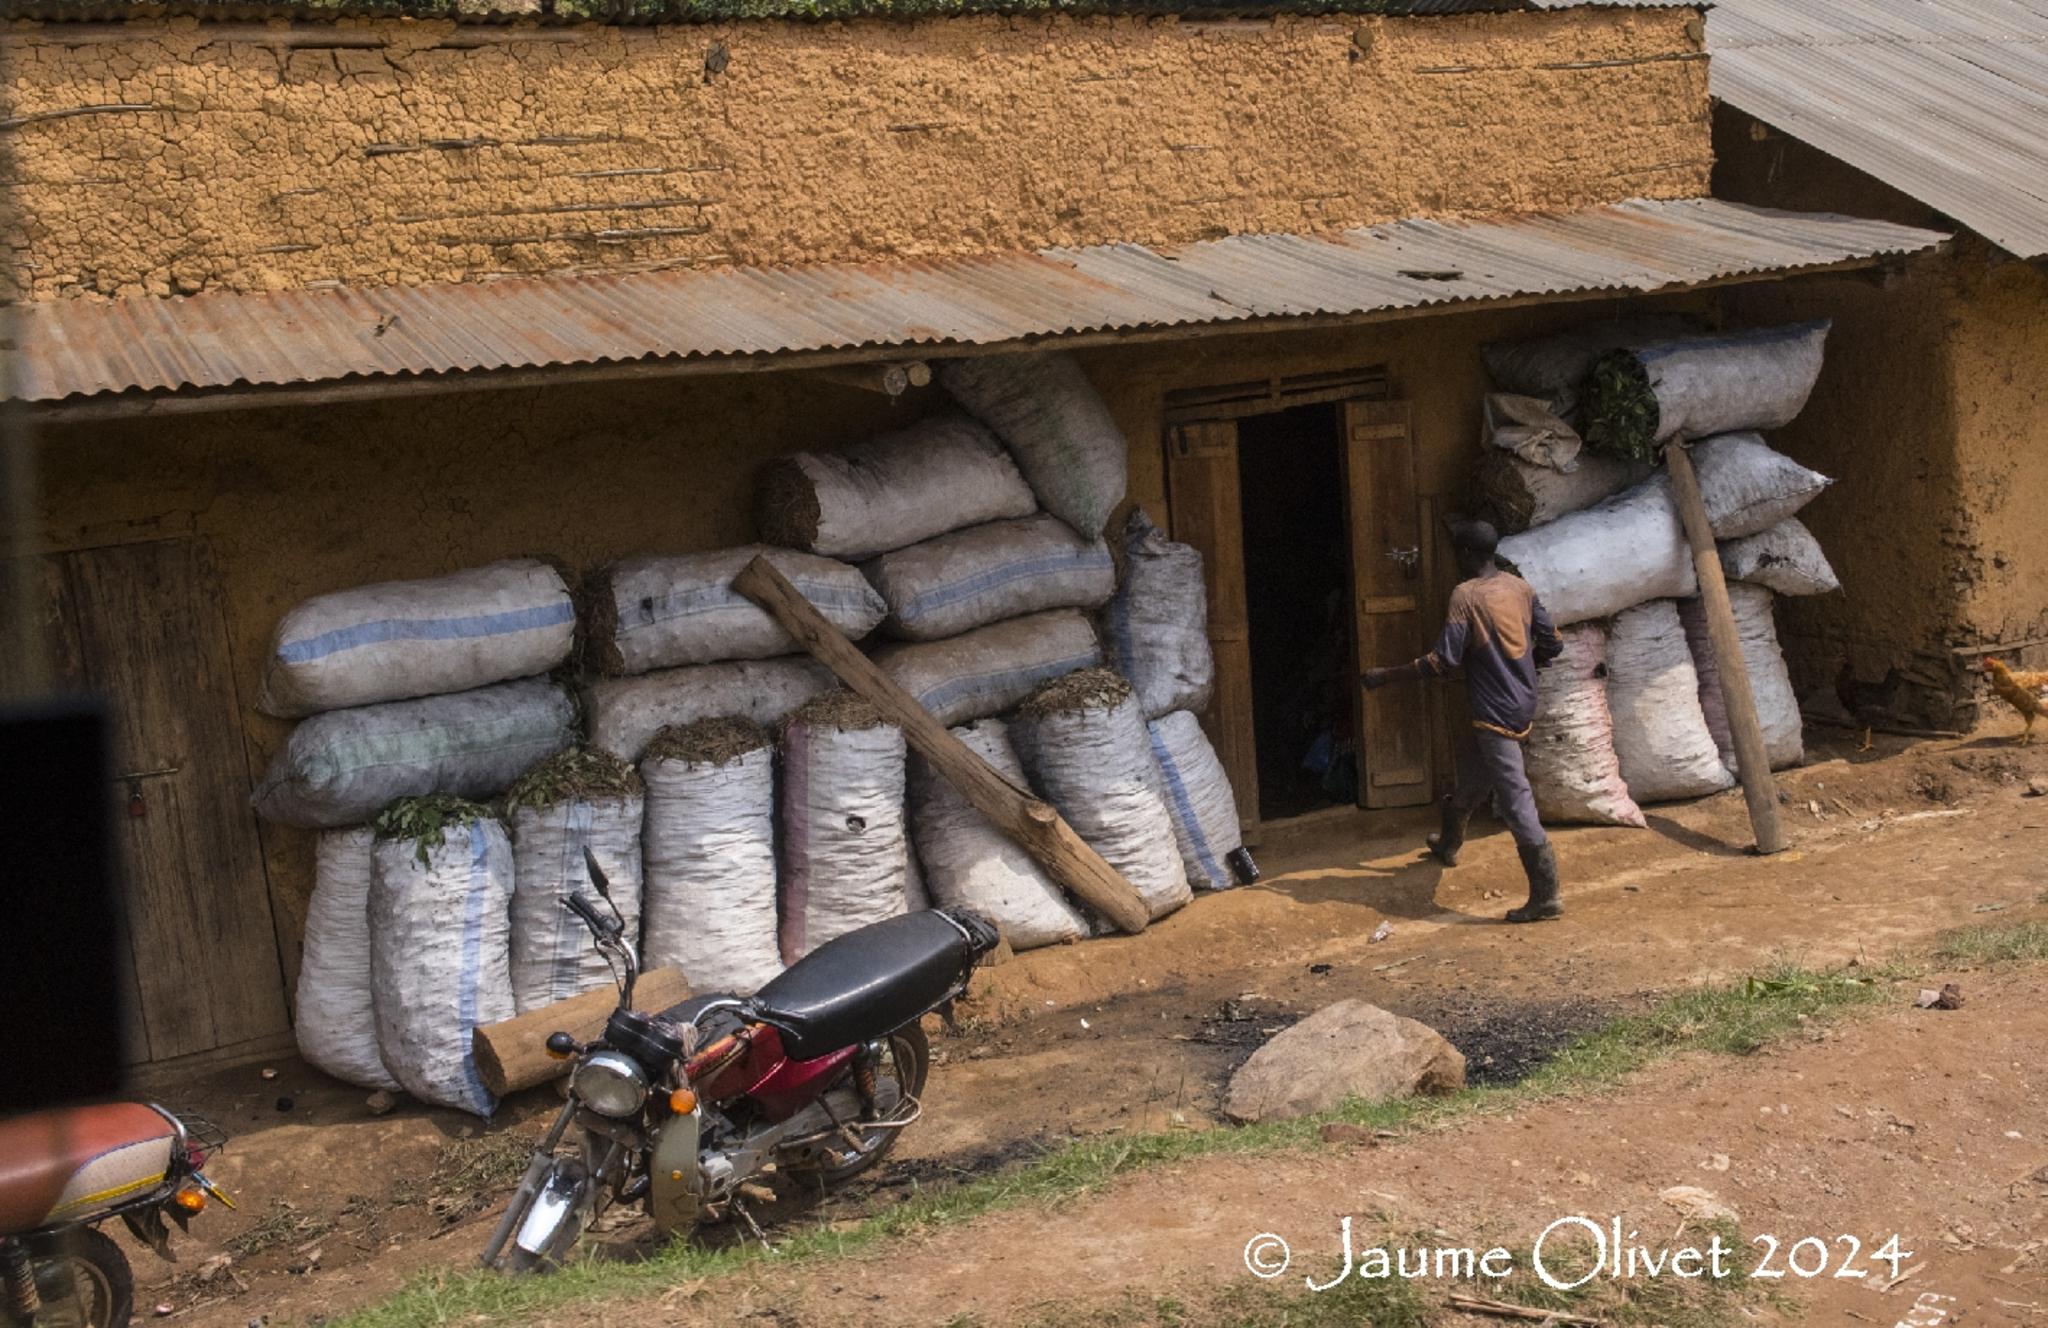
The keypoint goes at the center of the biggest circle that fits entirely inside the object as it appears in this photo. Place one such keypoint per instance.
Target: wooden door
(1202, 495)
(1388, 586)
(141, 625)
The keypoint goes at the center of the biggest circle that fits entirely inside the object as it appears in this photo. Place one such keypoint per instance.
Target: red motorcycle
(64, 1172)
(816, 1074)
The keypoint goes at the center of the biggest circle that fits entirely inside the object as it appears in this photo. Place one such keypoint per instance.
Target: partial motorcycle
(815, 1075)
(62, 1174)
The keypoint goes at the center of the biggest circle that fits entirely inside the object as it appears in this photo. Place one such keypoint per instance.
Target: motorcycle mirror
(597, 876)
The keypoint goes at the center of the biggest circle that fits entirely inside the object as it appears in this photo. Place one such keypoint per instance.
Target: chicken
(1867, 703)
(2021, 691)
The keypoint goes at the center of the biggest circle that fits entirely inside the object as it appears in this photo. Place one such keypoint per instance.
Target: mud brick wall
(173, 156)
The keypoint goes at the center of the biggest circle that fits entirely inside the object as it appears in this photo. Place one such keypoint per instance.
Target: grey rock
(1345, 1050)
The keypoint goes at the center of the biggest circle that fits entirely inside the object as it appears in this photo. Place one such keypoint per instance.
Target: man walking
(1497, 631)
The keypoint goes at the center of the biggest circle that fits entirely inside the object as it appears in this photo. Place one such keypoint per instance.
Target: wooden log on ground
(1029, 820)
(512, 1054)
(1759, 789)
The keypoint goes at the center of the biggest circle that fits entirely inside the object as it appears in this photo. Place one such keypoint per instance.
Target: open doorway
(1297, 555)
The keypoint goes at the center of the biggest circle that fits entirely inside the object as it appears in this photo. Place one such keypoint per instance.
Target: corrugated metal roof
(1944, 100)
(82, 348)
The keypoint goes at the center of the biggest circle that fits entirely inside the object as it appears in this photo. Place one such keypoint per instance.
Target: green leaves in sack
(1620, 408)
(426, 820)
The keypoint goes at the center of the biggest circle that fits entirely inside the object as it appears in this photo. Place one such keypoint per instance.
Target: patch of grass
(2002, 943)
(1731, 1021)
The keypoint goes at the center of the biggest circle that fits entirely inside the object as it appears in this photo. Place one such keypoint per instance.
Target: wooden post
(512, 1054)
(1758, 787)
(1033, 823)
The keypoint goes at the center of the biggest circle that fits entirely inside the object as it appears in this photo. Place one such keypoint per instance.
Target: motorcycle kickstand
(740, 1208)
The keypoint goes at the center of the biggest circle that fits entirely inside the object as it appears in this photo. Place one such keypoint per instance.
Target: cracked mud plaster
(180, 157)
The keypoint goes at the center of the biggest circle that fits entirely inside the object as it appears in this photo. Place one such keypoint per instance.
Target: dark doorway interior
(1297, 590)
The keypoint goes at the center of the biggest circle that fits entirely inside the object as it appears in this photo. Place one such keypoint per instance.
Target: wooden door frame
(1230, 403)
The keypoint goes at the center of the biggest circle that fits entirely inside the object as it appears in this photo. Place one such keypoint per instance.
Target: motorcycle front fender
(675, 1190)
(558, 1213)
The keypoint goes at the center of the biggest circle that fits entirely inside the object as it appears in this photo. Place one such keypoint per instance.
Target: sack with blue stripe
(1055, 424)
(1157, 628)
(1084, 744)
(626, 713)
(439, 947)
(1198, 798)
(340, 767)
(986, 671)
(662, 611)
(986, 573)
(581, 799)
(335, 1013)
(401, 639)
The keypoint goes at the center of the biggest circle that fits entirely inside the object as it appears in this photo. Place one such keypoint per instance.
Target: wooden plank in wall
(1205, 511)
(153, 642)
(1388, 589)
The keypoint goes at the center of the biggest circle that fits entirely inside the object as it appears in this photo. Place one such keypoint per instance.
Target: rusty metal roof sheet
(1944, 100)
(81, 348)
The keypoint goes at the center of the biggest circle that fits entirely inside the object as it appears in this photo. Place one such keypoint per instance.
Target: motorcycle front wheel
(83, 1280)
(899, 1078)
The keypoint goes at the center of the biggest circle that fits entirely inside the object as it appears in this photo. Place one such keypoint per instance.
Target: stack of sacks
(404, 689)
(1157, 628)
(678, 644)
(1619, 563)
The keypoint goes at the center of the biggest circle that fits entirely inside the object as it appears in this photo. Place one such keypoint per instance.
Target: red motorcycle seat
(67, 1164)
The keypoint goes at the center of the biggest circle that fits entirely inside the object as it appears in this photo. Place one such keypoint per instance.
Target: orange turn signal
(682, 1102)
(190, 1198)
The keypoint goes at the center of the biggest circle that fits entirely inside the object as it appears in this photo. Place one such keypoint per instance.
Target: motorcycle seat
(870, 981)
(74, 1162)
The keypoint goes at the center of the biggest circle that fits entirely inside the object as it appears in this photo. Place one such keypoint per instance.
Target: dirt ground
(1900, 1122)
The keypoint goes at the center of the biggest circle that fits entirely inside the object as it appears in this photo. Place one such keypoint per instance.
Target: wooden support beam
(891, 377)
(1759, 789)
(1033, 823)
(512, 1054)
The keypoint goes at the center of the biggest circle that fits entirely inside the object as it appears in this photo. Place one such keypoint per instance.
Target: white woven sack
(937, 475)
(336, 1022)
(1748, 486)
(844, 846)
(708, 906)
(624, 714)
(1570, 756)
(1055, 424)
(1786, 559)
(1198, 798)
(1553, 365)
(553, 954)
(1523, 495)
(658, 612)
(1003, 569)
(986, 671)
(970, 863)
(1755, 379)
(440, 958)
(341, 767)
(1595, 563)
(401, 639)
(1660, 734)
(1096, 766)
(1157, 628)
(1770, 682)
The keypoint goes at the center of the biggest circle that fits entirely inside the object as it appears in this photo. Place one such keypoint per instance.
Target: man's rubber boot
(1445, 843)
(1540, 863)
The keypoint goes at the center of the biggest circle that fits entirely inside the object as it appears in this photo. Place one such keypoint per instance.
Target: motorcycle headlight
(610, 1084)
